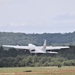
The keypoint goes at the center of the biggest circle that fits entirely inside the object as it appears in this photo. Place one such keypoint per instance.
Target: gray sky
(37, 16)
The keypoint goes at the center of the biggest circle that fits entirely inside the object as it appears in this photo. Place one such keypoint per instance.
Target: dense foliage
(13, 57)
(37, 39)
(21, 58)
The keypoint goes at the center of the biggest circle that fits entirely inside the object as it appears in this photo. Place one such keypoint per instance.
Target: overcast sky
(37, 16)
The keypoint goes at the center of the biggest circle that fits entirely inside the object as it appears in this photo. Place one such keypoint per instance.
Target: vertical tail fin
(44, 45)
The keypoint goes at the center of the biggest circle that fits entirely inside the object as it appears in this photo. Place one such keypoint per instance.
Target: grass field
(38, 71)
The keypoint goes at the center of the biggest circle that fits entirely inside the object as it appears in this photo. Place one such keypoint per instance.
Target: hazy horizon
(37, 32)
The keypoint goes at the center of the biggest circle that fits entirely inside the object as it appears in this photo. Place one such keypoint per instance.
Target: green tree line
(21, 58)
(13, 57)
(10, 38)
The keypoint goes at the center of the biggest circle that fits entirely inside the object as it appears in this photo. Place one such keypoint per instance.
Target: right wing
(16, 47)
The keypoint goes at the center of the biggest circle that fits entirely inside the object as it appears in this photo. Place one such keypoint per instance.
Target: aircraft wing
(56, 47)
(16, 47)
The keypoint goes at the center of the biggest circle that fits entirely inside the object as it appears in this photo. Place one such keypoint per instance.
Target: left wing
(56, 47)
(53, 49)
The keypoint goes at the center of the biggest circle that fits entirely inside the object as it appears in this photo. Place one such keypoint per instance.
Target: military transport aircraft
(38, 49)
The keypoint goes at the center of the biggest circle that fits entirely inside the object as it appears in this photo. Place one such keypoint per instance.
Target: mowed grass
(38, 71)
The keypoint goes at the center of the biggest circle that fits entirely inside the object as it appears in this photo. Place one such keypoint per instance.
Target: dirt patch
(41, 72)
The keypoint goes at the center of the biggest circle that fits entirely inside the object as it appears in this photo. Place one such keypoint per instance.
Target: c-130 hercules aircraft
(38, 49)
